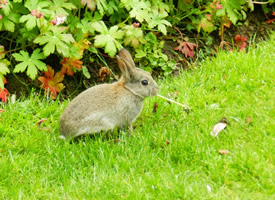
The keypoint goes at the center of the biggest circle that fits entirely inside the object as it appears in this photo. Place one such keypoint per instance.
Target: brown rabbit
(103, 107)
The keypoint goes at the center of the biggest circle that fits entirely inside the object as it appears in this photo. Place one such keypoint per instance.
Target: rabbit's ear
(128, 69)
(123, 53)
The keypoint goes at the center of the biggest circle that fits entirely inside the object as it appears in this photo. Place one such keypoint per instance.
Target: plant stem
(102, 60)
(172, 101)
(179, 32)
(258, 2)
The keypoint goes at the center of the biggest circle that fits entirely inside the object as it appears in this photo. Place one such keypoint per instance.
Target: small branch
(258, 2)
(179, 32)
(172, 101)
(19, 48)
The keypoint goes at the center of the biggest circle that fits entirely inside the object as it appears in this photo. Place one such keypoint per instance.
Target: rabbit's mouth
(154, 92)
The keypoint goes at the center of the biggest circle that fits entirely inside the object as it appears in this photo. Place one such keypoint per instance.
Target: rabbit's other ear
(127, 70)
(123, 53)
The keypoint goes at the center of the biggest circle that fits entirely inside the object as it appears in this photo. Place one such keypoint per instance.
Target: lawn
(170, 155)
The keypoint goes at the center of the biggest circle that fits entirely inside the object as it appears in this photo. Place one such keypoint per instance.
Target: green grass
(35, 164)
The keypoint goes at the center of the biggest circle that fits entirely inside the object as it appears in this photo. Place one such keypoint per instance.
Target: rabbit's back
(100, 108)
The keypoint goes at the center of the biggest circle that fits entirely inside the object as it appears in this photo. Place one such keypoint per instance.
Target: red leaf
(68, 65)
(242, 46)
(240, 38)
(240, 41)
(186, 48)
(4, 95)
(270, 21)
(51, 82)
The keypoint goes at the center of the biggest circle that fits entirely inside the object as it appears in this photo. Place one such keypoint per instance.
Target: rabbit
(106, 106)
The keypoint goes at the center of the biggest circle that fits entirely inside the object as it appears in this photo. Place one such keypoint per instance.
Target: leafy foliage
(232, 9)
(133, 36)
(4, 63)
(159, 21)
(153, 57)
(3, 71)
(33, 30)
(55, 39)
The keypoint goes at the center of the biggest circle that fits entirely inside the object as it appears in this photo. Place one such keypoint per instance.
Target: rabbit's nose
(155, 91)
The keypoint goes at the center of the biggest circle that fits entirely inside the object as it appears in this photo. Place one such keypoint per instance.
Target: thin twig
(172, 101)
(179, 32)
(258, 2)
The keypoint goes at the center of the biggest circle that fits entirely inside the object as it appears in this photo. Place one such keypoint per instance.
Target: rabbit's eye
(144, 82)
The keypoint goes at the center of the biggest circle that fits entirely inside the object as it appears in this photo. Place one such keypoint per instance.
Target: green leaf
(32, 71)
(108, 38)
(139, 9)
(7, 8)
(4, 68)
(23, 55)
(62, 48)
(31, 63)
(31, 21)
(36, 55)
(68, 38)
(157, 19)
(55, 39)
(100, 41)
(101, 6)
(206, 25)
(20, 67)
(86, 72)
(49, 48)
(110, 48)
(7, 24)
(60, 7)
(85, 26)
(3, 71)
(1, 82)
(133, 36)
(232, 9)
(37, 4)
(100, 27)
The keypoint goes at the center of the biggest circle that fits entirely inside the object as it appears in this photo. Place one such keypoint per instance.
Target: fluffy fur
(103, 107)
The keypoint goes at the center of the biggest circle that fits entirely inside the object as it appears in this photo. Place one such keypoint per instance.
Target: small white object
(209, 188)
(60, 20)
(62, 137)
(13, 98)
(218, 128)
(214, 106)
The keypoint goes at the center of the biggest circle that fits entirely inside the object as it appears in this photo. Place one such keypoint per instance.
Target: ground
(171, 153)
